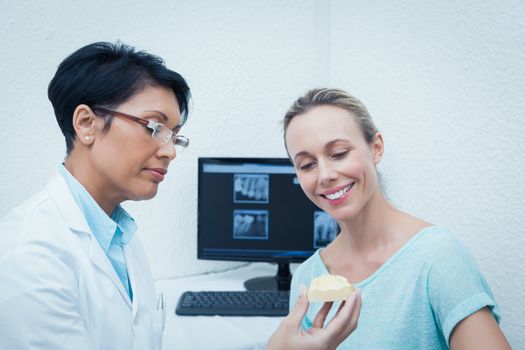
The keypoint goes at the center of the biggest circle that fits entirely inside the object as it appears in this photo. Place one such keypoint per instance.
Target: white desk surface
(215, 332)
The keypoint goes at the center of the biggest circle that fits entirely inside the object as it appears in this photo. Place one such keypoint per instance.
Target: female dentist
(73, 273)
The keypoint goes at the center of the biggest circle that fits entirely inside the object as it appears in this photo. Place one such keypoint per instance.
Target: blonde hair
(333, 97)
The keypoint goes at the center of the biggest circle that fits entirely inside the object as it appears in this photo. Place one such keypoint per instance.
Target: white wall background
(444, 81)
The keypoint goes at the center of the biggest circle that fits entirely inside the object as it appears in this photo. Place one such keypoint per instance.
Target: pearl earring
(87, 138)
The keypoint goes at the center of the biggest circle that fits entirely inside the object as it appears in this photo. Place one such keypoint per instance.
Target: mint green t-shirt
(415, 299)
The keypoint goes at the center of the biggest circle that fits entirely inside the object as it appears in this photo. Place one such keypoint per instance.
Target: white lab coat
(58, 290)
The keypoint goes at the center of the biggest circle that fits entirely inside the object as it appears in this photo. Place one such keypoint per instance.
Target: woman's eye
(340, 155)
(306, 166)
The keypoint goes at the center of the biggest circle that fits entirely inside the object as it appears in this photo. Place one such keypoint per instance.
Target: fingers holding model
(289, 335)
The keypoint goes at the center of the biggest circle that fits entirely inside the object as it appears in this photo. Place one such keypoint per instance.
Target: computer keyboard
(234, 303)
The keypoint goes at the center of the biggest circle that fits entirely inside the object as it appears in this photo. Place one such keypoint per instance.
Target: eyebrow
(328, 145)
(165, 118)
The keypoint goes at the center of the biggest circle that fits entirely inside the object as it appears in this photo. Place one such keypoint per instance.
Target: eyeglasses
(159, 131)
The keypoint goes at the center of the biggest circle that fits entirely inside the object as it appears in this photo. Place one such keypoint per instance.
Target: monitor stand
(281, 281)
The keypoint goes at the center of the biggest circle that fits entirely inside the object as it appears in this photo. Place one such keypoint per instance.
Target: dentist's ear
(84, 124)
(378, 148)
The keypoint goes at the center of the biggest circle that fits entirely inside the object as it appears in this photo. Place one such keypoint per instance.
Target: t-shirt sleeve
(456, 287)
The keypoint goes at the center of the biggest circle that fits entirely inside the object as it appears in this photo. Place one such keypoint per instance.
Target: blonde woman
(420, 287)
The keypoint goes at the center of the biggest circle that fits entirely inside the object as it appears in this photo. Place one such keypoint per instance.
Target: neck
(82, 170)
(369, 229)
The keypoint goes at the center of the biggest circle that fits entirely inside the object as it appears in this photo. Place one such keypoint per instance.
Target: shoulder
(35, 268)
(39, 254)
(453, 275)
(47, 219)
(27, 208)
(437, 242)
(37, 207)
(435, 251)
(19, 224)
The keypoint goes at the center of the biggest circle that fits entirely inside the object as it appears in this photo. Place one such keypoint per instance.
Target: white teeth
(338, 194)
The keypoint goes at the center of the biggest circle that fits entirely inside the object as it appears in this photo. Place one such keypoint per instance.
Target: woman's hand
(289, 335)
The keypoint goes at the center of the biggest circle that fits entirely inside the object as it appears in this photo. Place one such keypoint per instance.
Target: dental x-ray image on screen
(250, 224)
(250, 188)
(325, 229)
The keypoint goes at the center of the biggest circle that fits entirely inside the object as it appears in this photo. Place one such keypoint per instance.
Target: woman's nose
(327, 173)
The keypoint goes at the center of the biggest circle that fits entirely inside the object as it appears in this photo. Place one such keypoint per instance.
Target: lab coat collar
(66, 205)
(73, 217)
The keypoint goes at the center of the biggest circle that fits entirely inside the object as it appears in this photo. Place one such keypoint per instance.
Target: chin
(145, 194)
(151, 194)
(340, 214)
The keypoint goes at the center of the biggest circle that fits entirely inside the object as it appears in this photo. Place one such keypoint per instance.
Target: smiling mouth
(338, 194)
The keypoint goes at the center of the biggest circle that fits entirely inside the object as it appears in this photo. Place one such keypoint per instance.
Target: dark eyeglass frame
(155, 127)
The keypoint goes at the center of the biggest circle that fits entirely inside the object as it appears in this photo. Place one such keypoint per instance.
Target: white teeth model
(339, 193)
(329, 288)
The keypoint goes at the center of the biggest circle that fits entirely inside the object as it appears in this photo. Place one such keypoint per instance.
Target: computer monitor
(253, 209)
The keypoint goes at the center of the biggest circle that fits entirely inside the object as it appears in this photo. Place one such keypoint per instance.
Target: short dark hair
(104, 74)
